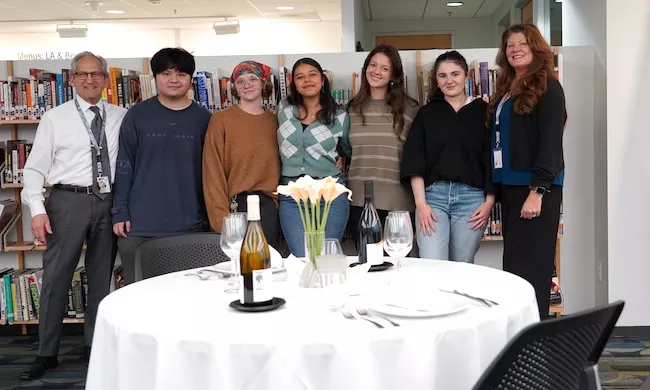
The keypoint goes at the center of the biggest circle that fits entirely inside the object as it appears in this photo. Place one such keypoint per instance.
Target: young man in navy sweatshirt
(158, 190)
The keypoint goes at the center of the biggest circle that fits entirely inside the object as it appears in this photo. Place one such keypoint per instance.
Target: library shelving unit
(20, 246)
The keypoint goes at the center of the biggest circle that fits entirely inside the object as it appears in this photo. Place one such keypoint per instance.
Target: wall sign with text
(46, 55)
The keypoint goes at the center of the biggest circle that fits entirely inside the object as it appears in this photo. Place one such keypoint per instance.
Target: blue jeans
(291, 223)
(453, 205)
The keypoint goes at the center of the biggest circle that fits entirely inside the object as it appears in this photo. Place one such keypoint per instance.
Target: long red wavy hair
(531, 85)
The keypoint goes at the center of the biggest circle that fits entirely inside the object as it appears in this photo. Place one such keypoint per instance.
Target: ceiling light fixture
(114, 11)
(454, 4)
(284, 8)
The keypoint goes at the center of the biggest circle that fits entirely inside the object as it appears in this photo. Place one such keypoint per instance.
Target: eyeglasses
(250, 81)
(94, 75)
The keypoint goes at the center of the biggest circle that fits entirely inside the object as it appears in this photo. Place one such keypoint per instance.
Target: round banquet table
(177, 332)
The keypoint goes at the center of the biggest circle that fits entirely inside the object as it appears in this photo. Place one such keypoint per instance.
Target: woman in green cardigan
(312, 131)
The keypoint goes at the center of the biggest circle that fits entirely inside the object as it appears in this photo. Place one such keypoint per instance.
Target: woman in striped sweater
(380, 117)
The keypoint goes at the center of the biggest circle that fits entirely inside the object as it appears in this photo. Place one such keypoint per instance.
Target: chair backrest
(163, 255)
(554, 354)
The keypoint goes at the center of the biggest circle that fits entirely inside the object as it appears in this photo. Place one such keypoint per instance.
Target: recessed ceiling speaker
(94, 5)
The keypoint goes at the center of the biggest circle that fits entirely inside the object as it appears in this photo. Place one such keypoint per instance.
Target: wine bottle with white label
(256, 278)
(370, 247)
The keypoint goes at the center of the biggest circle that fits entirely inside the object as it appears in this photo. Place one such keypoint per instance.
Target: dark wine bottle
(370, 245)
(256, 280)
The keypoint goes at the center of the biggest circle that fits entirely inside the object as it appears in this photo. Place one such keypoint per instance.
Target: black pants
(269, 216)
(353, 226)
(529, 244)
(75, 218)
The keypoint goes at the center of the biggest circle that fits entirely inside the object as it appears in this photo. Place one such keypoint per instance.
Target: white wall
(578, 265)
(584, 24)
(360, 26)
(628, 169)
(256, 37)
(507, 6)
(466, 33)
(348, 25)
(542, 17)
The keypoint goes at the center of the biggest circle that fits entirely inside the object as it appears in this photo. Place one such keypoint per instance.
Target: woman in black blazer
(527, 115)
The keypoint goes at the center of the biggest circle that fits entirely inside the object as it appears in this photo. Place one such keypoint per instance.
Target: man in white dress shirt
(75, 150)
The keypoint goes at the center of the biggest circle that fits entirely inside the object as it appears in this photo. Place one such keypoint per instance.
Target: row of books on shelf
(20, 292)
(12, 160)
(494, 227)
(28, 98)
(480, 81)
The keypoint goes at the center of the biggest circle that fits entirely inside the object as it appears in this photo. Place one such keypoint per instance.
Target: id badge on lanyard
(103, 182)
(498, 156)
(497, 152)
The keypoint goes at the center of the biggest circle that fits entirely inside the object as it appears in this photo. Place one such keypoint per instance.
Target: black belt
(82, 190)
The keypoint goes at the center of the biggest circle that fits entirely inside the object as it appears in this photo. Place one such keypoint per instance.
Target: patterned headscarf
(260, 70)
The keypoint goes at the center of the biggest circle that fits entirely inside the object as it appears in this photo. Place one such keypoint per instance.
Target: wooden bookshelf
(35, 322)
(24, 247)
(19, 121)
(19, 185)
(27, 247)
(492, 238)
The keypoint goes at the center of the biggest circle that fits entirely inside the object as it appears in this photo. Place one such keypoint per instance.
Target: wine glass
(398, 235)
(233, 231)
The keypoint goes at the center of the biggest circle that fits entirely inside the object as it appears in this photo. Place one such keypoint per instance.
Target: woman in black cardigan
(527, 116)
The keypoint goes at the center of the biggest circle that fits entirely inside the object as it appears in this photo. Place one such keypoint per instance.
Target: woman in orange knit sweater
(241, 155)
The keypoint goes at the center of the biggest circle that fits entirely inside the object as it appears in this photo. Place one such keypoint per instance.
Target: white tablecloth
(176, 332)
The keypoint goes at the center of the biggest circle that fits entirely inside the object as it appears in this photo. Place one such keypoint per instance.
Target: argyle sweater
(311, 151)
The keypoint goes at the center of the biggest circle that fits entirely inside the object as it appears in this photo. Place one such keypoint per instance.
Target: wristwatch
(538, 189)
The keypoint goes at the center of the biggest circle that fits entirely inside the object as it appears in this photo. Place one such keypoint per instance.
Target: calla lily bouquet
(309, 194)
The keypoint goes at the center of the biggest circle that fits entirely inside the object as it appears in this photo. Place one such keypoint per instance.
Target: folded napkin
(276, 258)
(294, 267)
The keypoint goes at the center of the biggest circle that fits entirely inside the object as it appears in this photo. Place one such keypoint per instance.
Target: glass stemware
(233, 231)
(398, 235)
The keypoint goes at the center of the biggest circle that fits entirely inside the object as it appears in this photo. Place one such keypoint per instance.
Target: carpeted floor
(625, 364)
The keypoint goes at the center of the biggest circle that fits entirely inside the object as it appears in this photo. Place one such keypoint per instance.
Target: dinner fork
(348, 314)
(364, 312)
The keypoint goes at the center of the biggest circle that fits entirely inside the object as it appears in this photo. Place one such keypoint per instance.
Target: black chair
(159, 256)
(556, 354)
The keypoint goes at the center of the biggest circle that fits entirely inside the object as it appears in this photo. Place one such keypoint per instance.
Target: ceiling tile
(488, 8)
(65, 10)
(392, 10)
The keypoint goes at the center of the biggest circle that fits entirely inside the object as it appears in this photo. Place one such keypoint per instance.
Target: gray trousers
(127, 247)
(74, 217)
